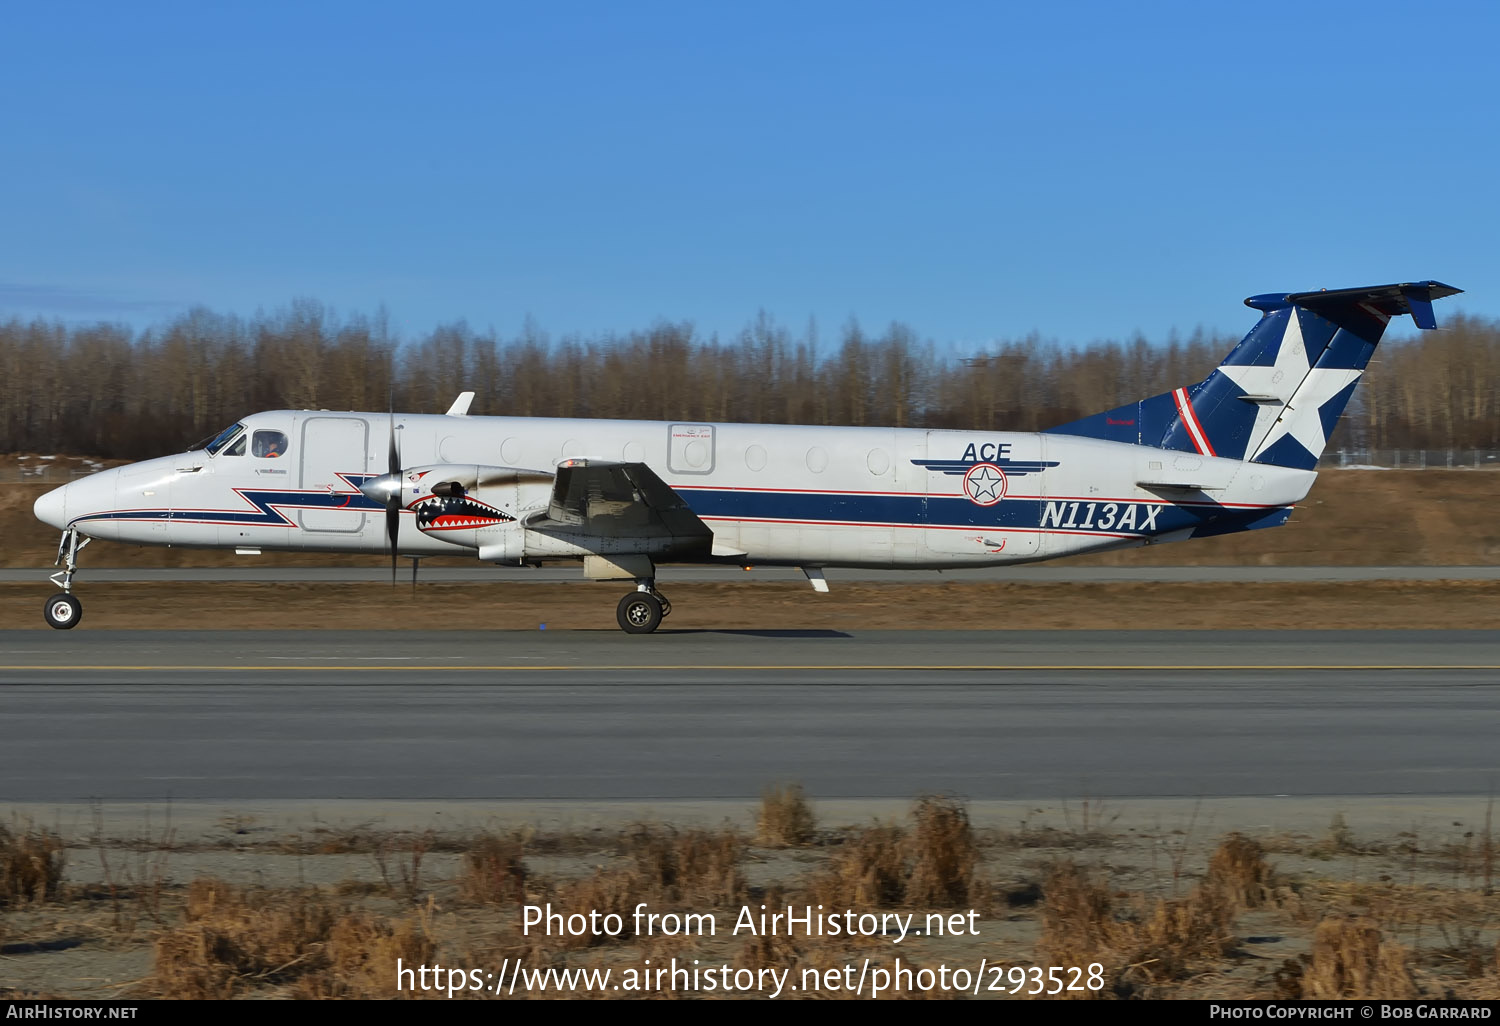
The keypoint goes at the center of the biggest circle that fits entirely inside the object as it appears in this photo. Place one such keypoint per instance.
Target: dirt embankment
(272, 607)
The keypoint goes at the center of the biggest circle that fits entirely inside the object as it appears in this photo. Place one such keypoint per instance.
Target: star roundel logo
(985, 484)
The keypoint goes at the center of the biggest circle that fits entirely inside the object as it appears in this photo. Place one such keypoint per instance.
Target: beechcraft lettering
(1101, 516)
(1233, 452)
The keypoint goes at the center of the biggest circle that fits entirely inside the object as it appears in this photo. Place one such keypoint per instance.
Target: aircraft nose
(52, 508)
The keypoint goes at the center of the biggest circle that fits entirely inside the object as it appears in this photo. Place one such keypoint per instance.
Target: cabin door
(333, 446)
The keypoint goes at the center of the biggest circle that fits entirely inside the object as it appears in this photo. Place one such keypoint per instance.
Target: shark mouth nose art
(456, 513)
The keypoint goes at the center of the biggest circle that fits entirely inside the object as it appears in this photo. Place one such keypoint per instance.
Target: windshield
(218, 441)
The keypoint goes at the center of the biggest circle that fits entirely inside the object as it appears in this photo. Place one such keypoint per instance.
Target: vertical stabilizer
(1277, 396)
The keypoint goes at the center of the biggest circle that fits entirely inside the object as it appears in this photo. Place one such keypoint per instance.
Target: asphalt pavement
(993, 715)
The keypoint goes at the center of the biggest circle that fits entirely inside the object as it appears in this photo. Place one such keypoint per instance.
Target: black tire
(639, 613)
(63, 611)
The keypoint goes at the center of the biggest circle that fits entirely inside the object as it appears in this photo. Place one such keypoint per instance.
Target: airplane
(1233, 452)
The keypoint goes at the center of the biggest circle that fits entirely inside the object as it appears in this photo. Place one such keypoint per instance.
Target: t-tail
(1277, 396)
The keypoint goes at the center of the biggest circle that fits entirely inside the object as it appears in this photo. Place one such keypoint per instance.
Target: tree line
(107, 390)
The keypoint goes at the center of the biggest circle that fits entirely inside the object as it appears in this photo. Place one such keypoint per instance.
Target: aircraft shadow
(760, 634)
(34, 947)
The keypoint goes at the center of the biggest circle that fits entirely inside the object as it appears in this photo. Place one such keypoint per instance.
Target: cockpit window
(237, 447)
(218, 441)
(268, 444)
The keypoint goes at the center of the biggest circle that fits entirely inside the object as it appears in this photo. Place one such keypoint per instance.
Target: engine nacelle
(475, 506)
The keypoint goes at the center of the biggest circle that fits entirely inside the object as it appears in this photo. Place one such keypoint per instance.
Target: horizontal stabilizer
(1388, 301)
(1179, 486)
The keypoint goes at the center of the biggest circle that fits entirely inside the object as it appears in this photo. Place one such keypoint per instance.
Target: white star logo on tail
(1301, 388)
(1302, 418)
(1279, 380)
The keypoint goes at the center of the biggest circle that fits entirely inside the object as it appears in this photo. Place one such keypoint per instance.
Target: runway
(193, 715)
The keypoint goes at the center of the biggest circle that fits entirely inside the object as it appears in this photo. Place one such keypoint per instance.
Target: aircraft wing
(619, 500)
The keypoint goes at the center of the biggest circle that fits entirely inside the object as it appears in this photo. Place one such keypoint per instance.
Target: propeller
(393, 503)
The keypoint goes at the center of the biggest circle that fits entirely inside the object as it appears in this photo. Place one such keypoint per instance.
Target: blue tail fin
(1277, 396)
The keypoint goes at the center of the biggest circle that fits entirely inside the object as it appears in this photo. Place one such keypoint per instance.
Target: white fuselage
(772, 494)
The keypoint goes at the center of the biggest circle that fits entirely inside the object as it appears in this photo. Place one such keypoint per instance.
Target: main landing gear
(63, 611)
(643, 610)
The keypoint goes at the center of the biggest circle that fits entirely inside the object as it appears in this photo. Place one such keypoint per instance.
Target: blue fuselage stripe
(1123, 517)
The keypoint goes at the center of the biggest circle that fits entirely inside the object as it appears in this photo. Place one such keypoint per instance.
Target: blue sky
(977, 171)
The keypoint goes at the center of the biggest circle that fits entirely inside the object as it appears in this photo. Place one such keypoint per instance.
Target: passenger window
(237, 449)
(268, 444)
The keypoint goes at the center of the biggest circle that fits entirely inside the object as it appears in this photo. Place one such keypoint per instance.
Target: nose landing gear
(63, 611)
(643, 610)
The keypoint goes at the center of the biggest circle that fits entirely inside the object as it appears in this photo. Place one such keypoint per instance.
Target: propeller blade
(393, 503)
(392, 531)
(393, 457)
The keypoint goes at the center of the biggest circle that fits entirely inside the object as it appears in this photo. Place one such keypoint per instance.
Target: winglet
(1420, 304)
(460, 407)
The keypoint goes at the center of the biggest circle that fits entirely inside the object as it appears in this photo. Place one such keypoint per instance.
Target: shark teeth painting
(456, 513)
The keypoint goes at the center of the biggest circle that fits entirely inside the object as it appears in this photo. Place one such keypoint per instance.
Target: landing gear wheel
(63, 611)
(640, 612)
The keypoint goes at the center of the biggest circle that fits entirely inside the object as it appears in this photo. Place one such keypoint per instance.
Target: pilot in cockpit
(268, 444)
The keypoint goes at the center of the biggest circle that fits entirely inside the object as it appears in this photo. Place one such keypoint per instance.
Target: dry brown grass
(236, 940)
(944, 856)
(361, 956)
(1432, 931)
(688, 871)
(31, 865)
(233, 940)
(785, 819)
(494, 871)
(868, 870)
(695, 866)
(608, 891)
(1350, 959)
(1238, 869)
(935, 864)
(1144, 948)
(769, 951)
